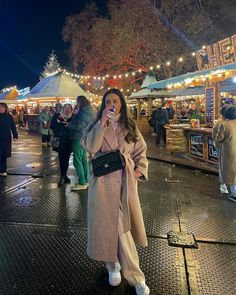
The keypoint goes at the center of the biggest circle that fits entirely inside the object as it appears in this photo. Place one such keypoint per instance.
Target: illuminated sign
(24, 91)
(220, 53)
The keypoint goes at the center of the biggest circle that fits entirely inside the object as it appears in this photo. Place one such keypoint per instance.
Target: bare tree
(137, 34)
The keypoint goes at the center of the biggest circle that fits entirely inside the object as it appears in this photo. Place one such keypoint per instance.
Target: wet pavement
(43, 231)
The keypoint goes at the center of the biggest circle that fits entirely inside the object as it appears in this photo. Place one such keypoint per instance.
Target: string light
(85, 78)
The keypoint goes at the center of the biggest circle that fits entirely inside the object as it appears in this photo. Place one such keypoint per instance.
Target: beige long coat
(116, 190)
(226, 138)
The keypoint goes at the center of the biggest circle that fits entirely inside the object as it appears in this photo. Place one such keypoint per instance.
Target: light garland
(9, 89)
(119, 76)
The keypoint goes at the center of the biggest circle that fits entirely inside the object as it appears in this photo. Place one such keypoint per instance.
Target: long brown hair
(82, 101)
(125, 120)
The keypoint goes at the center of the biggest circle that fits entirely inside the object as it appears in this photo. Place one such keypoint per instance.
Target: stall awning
(59, 85)
(182, 79)
(146, 93)
(9, 95)
(188, 91)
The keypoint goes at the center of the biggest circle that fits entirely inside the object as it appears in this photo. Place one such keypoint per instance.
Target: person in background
(59, 127)
(226, 137)
(44, 124)
(15, 116)
(115, 218)
(161, 119)
(223, 187)
(152, 121)
(79, 122)
(7, 129)
(170, 109)
(21, 118)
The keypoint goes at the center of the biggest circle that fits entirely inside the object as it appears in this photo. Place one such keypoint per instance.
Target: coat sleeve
(215, 130)
(139, 157)
(93, 139)
(220, 135)
(13, 128)
(54, 124)
(80, 121)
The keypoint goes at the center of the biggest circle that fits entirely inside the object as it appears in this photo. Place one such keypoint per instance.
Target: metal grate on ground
(42, 260)
(212, 269)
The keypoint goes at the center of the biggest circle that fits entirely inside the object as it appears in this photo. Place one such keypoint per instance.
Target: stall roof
(226, 86)
(187, 91)
(9, 95)
(144, 92)
(59, 85)
(148, 93)
(163, 84)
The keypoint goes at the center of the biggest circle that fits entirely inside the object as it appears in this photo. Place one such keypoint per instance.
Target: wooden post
(138, 113)
(217, 100)
(38, 107)
(150, 103)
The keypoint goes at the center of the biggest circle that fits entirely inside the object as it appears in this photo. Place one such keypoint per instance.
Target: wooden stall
(200, 144)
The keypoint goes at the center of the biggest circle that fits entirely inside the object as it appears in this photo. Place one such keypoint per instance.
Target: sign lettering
(220, 53)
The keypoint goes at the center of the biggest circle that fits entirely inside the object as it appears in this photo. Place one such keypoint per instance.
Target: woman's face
(113, 100)
(67, 109)
(2, 109)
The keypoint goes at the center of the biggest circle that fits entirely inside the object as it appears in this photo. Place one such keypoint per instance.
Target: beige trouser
(127, 255)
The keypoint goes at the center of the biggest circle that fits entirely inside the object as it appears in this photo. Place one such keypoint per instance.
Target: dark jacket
(160, 116)
(7, 129)
(80, 121)
(60, 130)
(170, 112)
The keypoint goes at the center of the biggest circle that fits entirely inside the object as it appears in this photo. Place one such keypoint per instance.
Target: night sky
(29, 30)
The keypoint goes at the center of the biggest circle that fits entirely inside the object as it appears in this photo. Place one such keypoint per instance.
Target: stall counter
(33, 122)
(201, 144)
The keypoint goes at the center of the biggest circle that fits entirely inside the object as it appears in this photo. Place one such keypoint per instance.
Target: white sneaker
(78, 187)
(223, 189)
(142, 289)
(44, 144)
(114, 278)
(154, 134)
(3, 174)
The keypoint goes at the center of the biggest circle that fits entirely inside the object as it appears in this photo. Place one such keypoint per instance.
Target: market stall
(202, 93)
(51, 91)
(144, 103)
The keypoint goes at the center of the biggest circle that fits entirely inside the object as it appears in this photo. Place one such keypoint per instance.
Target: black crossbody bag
(108, 162)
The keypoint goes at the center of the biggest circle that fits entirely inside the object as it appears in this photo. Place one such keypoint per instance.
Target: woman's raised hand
(104, 117)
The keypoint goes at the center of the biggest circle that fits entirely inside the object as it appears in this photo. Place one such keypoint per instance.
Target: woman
(59, 127)
(7, 129)
(226, 138)
(223, 187)
(44, 121)
(114, 214)
(77, 125)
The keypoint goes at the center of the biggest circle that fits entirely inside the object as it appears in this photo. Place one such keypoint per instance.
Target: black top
(7, 129)
(59, 128)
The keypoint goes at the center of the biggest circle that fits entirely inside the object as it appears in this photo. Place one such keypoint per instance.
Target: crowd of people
(115, 221)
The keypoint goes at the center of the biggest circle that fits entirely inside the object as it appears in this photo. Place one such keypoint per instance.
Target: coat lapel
(115, 137)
